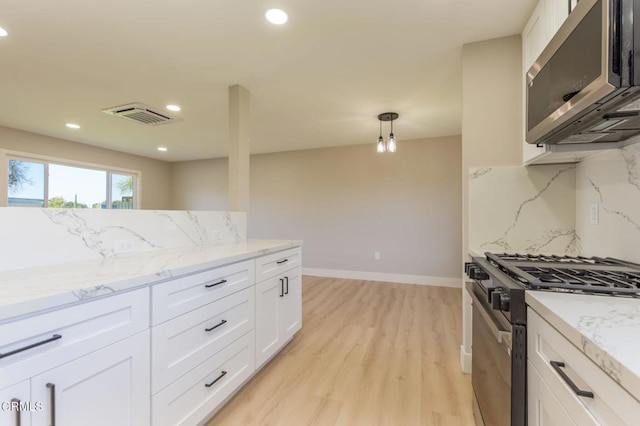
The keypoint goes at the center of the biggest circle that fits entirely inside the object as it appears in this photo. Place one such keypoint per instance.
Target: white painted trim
(465, 360)
(379, 276)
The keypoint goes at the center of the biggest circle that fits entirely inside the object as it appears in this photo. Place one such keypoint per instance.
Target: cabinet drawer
(273, 264)
(183, 343)
(610, 405)
(543, 407)
(189, 400)
(82, 329)
(184, 294)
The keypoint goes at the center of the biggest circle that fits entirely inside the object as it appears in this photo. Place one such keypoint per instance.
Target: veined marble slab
(28, 290)
(606, 329)
(610, 182)
(31, 237)
(523, 209)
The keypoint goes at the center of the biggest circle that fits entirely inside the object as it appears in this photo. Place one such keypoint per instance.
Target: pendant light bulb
(391, 143)
(381, 146)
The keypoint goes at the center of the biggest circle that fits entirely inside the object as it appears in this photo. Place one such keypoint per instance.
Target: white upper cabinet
(535, 35)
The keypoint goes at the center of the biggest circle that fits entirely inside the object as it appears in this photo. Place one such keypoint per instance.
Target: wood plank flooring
(368, 354)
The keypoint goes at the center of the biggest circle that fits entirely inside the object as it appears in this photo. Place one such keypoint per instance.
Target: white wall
(491, 127)
(348, 202)
(200, 184)
(156, 174)
(610, 179)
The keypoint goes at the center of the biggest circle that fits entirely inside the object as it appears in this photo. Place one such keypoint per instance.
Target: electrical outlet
(124, 246)
(594, 214)
(376, 255)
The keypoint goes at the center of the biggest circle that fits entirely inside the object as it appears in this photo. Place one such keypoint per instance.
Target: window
(44, 183)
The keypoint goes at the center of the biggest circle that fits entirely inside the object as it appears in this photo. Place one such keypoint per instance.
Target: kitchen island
(160, 337)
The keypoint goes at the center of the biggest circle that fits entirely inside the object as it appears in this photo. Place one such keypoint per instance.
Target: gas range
(499, 322)
(504, 277)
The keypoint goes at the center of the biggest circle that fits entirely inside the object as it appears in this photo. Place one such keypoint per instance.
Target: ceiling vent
(141, 113)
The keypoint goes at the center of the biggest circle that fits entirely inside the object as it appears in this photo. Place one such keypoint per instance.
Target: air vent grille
(142, 114)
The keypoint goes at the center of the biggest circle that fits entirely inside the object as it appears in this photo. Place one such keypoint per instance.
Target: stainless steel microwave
(585, 87)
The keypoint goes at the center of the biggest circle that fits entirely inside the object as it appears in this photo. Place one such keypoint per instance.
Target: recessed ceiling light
(162, 148)
(3, 32)
(276, 16)
(73, 126)
(173, 107)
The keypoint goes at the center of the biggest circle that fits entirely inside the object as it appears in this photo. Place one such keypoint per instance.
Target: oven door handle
(500, 335)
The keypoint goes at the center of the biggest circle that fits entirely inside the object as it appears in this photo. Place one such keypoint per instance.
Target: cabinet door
(544, 409)
(105, 388)
(17, 405)
(291, 304)
(268, 328)
(559, 13)
(536, 34)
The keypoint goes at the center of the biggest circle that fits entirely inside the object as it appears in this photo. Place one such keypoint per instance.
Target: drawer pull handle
(215, 284)
(52, 391)
(280, 262)
(224, 373)
(287, 288)
(223, 322)
(281, 287)
(43, 342)
(557, 365)
(15, 402)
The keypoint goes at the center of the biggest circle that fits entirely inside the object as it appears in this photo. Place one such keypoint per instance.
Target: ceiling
(319, 80)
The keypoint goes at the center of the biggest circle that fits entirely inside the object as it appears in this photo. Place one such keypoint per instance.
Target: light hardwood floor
(368, 354)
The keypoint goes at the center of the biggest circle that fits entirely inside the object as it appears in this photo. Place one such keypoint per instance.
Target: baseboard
(465, 360)
(379, 276)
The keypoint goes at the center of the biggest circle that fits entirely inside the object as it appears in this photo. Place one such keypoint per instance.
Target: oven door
(491, 365)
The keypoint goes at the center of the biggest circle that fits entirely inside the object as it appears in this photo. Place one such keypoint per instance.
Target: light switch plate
(594, 214)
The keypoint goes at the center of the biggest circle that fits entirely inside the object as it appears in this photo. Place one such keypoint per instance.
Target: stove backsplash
(610, 179)
(523, 209)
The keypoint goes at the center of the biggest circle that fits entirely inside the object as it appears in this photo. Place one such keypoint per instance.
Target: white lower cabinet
(105, 388)
(196, 395)
(544, 409)
(101, 363)
(17, 405)
(278, 312)
(561, 376)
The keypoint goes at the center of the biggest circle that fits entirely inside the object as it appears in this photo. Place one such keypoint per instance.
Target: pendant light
(391, 145)
(381, 146)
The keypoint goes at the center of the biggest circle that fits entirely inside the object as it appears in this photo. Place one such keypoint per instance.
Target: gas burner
(548, 278)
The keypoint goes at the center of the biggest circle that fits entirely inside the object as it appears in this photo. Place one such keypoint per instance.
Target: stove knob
(505, 303)
(481, 275)
(496, 298)
(475, 273)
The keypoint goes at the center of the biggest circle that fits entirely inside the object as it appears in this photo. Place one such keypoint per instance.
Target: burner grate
(552, 258)
(571, 274)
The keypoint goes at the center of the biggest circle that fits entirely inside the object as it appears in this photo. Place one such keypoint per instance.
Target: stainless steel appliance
(584, 87)
(499, 350)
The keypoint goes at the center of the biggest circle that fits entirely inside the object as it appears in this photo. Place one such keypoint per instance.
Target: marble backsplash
(31, 237)
(610, 180)
(523, 209)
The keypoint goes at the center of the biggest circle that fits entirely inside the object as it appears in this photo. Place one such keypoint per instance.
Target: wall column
(239, 138)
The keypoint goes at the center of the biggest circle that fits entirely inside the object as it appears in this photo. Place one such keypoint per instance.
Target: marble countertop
(24, 291)
(606, 329)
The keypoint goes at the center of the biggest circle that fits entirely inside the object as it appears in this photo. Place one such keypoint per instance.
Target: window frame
(6, 155)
